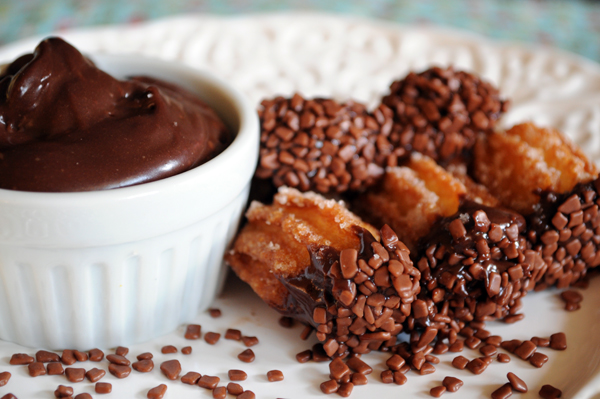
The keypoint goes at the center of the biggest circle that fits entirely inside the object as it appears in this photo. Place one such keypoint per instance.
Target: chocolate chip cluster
(439, 112)
(322, 145)
(373, 291)
(476, 265)
(325, 146)
(565, 229)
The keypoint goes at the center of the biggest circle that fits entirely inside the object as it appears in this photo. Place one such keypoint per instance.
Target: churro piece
(312, 259)
(475, 264)
(439, 112)
(517, 165)
(413, 197)
(322, 145)
(273, 244)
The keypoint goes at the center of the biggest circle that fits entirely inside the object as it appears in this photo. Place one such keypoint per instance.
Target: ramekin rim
(243, 138)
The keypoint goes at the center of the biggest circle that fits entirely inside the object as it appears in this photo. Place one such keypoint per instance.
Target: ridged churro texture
(517, 165)
(411, 198)
(273, 244)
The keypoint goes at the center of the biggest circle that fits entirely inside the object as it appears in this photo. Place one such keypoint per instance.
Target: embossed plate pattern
(325, 55)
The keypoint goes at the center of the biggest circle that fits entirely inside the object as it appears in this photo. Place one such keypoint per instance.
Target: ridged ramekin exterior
(114, 295)
(117, 267)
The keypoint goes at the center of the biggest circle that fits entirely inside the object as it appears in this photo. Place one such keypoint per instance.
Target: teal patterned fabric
(571, 25)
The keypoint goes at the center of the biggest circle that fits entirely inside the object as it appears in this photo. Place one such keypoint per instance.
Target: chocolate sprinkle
(565, 229)
(371, 294)
(321, 145)
(439, 112)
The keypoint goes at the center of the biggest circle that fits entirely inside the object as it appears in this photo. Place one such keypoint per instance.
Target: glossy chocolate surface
(67, 126)
(316, 285)
(440, 234)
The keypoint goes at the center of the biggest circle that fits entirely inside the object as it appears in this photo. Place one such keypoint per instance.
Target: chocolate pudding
(65, 125)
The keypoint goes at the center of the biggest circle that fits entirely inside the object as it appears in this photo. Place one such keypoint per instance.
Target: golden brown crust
(475, 192)
(515, 164)
(412, 197)
(273, 243)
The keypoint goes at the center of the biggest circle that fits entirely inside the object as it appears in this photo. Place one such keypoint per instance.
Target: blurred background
(571, 25)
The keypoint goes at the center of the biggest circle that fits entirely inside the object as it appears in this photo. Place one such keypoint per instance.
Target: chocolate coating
(440, 234)
(565, 229)
(323, 145)
(315, 286)
(478, 261)
(355, 299)
(65, 125)
(439, 112)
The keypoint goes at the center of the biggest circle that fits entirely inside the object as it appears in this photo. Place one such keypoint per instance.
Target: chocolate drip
(310, 289)
(315, 286)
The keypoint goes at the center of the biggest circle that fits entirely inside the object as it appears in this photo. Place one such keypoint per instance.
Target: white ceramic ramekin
(115, 267)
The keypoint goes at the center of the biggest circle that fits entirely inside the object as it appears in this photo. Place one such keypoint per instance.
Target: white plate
(346, 58)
